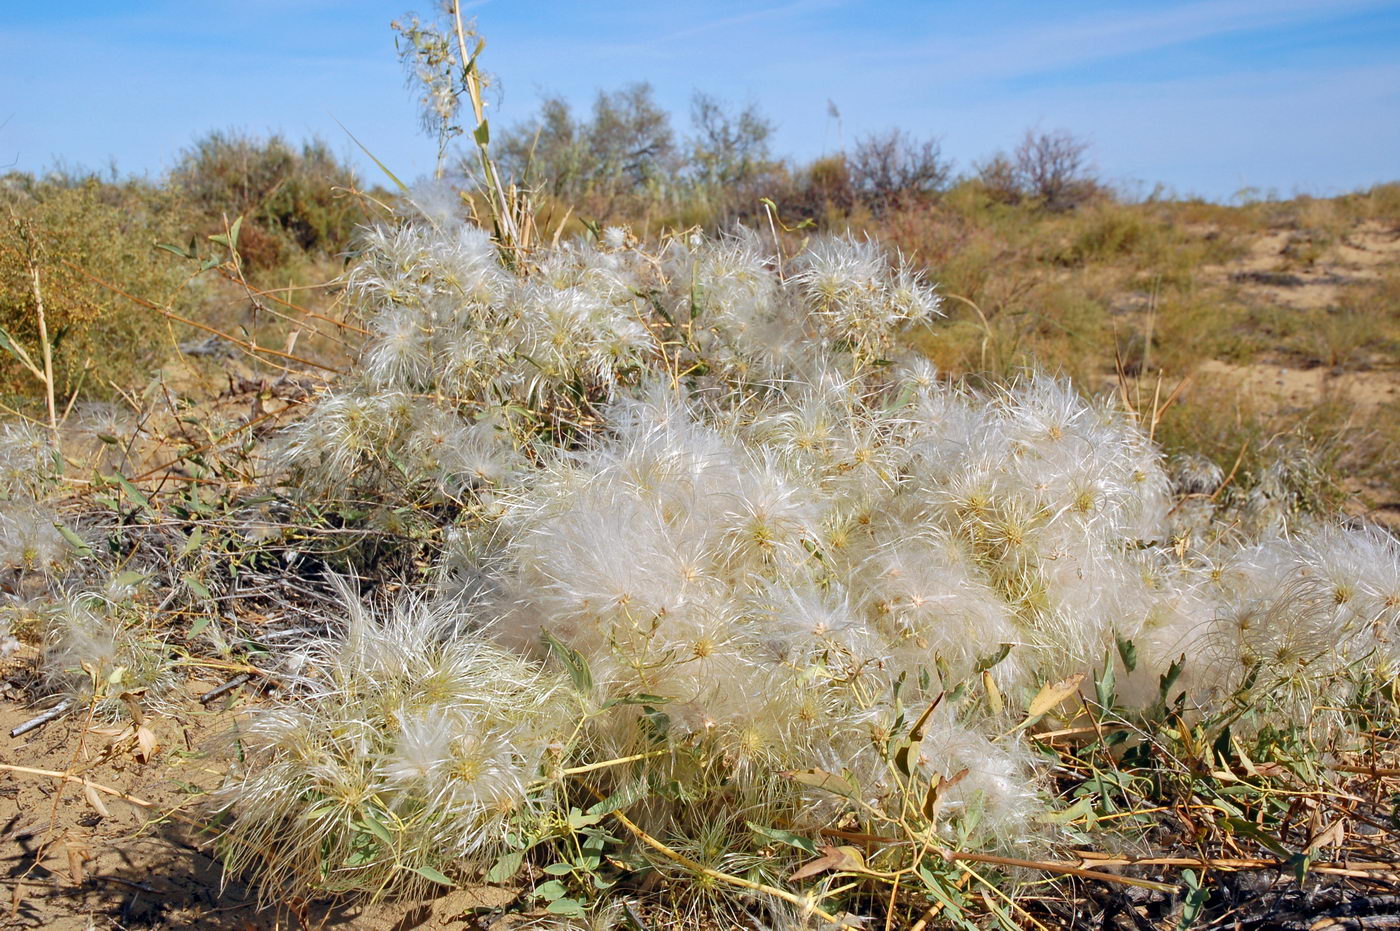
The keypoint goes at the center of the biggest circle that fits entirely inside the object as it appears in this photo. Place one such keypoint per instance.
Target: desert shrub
(728, 151)
(1050, 168)
(1107, 232)
(716, 512)
(825, 186)
(1381, 202)
(414, 749)
(892, 168)
(1359, 328)
(291, 200)
(624, 154)
(76, 231)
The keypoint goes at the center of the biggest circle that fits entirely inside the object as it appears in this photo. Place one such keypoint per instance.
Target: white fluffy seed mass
(709, 484)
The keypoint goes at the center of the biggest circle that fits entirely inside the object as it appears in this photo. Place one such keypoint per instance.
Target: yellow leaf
(1052, 694)
(820, 779)
(837, 859)
(993, 693)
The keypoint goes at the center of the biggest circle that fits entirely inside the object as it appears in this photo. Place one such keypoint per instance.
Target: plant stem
(44, 343)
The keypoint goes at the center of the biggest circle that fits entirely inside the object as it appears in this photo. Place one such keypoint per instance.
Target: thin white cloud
(738, 19)
(1048, 46)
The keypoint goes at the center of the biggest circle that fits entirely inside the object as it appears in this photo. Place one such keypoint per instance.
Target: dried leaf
(840, 859)
(1334, 835)
(115, 734)
(78, 854)
(936, 788)
(145, 744)
(133, 706)
(94, 798)
(1052, 694)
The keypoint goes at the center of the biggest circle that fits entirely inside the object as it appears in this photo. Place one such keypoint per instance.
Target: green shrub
(291, 200)
(71, 230)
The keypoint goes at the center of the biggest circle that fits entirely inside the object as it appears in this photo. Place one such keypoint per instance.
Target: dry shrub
(72, 226)
(893, 168)
(292, 200)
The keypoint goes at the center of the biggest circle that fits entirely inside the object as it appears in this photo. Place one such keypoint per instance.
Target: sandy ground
(69, 863)
(1269, 273)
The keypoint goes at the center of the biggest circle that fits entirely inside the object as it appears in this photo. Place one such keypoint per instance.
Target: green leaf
(320, 809)
(377, 828)
(427, 872)
(195, 540)
(578, 819)
(1127, 651)
(1250, 830)
(132, 492)
(1194, 900)
(196, 586)
(573, 661)
(129, 579)
(1169, 677)
(1300, 863)
(482, 134)
(570, 908)
(1080, 809)
(550, 891)
(78, 543)
(558, 869)
(943, 894)
(403, 188)
(991, 659)
(198, 626)
(174, 250)
(784, 837)
(1105, 689)
(506, 866)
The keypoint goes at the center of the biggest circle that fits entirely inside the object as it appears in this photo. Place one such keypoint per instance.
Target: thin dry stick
(1233, 469)
(272, 296)
(1365, 770)
(1249, 863)
(98, 787)
(38, 721)
(506, 226)
(44, 375)
(1046, 866)
(248, 347)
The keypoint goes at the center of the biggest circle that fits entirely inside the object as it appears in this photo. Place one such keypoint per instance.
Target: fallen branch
(224, 689)
(38, 721)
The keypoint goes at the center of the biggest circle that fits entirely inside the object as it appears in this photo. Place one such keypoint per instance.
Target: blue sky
(1205, 97)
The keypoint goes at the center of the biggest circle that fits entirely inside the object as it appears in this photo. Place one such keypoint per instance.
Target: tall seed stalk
(447, 68)
(43, 373)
